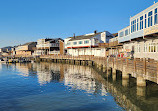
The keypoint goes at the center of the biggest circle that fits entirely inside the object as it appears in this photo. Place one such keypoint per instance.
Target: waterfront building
(89, 44)
(140, 37)
(26, 49)
(49, 46)
(5, 51)
(115, 48)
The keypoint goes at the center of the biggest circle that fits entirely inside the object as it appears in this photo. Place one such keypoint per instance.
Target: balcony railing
(54, 52)
(104, 45)
(114, 44)
(46, 46)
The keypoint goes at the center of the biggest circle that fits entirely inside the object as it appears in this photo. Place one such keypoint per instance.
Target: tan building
(49, 47)
(25, 49)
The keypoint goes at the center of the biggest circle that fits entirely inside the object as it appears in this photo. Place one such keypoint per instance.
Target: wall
(23, 53)
(87, 51)
(141, 53)
(20, 48)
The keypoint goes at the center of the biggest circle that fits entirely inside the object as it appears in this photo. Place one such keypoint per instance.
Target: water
(63, 87)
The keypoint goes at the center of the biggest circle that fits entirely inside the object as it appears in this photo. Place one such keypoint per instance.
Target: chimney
(95, 31)
(74, 35)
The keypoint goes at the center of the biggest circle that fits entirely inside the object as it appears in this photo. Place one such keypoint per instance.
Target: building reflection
(0, 66)
(125, 92)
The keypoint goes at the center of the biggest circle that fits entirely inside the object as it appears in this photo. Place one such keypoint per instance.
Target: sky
(23, 21)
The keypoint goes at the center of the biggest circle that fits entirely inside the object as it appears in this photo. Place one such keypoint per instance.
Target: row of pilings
(97, 64)
(100, 64)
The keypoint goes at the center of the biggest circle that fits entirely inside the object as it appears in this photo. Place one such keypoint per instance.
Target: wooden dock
(142, 69)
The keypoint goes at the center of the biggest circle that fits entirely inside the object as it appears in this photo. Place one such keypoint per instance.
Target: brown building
(25, 49)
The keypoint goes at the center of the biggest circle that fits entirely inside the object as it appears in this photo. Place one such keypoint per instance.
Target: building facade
(88, 44)
(49, 46)
(25, 50)
(140, 38)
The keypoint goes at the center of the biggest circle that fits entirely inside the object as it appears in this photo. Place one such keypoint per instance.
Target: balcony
(103, 45)
(54, 52)
(47, 46)
(114, 44)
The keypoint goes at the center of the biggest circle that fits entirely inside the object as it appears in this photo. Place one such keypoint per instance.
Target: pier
(141, 69)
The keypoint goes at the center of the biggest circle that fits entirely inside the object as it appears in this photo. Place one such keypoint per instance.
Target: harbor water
(64, 87)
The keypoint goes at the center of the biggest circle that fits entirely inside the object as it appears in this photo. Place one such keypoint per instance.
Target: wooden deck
(148, 69)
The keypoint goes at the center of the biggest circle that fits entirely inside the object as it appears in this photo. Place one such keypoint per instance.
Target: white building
(88, 44)
(140, 37)
(48, 46)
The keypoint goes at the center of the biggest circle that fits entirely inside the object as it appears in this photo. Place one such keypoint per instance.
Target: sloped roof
(6, 47)
(115, 34)
(84, 37)
(29, 43)
(56, 39)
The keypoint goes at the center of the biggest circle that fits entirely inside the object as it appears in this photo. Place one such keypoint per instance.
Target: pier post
(114, 74)
(89, 63)
(125, 78)
(141, 91)
(104, 68)
(141, 81)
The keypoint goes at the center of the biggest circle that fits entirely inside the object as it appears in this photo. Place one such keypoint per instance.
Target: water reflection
(0, 66)
(124, 91)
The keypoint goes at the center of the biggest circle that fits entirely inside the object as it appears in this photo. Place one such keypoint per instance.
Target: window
(155, 17)
(152, 47)
(121, 34)
(86, 42)
(74, 43)
(68, 43)
(133, 26)
(145, 47)
(145, 20)
(137, 25)
(137, 48)
(150, 19)
(141, 22)
(126, 32)
(80, 42)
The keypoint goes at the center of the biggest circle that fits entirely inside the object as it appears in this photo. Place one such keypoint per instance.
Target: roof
(84, 37)
(115, 34)
(29, 43)
(6, 47)
(56, 39)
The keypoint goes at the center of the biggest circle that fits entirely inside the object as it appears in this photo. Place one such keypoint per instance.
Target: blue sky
(28, 20)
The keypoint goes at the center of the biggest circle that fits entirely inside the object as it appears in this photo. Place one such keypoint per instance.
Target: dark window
(150, 19)
(141, 22)
(155, 17)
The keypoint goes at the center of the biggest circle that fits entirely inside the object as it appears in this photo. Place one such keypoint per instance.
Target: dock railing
(135, 64)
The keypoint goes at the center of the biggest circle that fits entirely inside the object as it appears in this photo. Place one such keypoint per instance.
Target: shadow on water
(89, 80)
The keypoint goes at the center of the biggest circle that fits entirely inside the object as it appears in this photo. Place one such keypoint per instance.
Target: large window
(145, 47)
(68, 43)
(74, 43)
(152, 47)
(145, 20)
(137, 25)
(133, 26)
(141, 22)
(80, 42)
(121, 34)
(137, 48)
(155, 17)
(86, 42)
(150, 18)
(126, 32)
